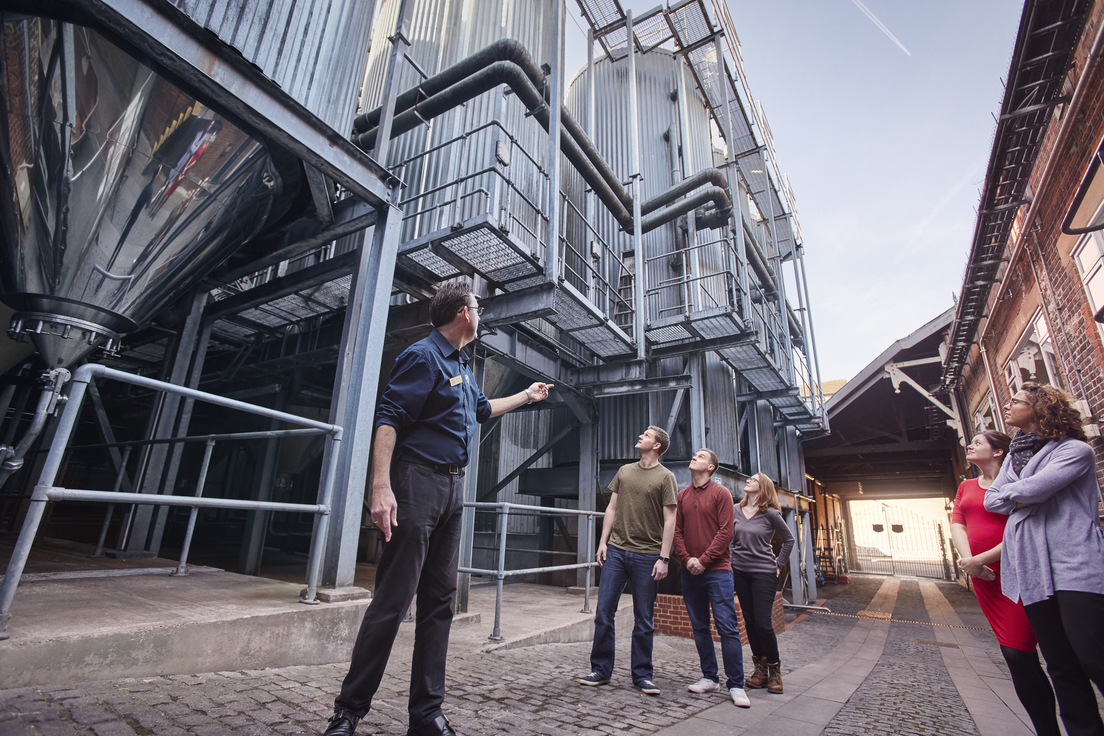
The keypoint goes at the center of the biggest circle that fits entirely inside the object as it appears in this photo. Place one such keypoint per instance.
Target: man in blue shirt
(424, 428)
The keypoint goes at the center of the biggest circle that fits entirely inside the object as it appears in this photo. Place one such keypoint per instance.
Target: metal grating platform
(478, 246)
(750, 362)
(706, 324)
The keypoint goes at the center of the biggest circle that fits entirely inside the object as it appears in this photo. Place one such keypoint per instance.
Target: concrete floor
(76, 619)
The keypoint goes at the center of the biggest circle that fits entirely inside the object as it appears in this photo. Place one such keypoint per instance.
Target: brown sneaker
(774, 678)
(758, 679)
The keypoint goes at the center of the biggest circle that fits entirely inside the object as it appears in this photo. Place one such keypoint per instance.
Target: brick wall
(1042, 273)
(671, 618)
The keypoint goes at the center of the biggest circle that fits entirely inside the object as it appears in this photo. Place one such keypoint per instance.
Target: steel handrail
(46, 491)
(501, 573)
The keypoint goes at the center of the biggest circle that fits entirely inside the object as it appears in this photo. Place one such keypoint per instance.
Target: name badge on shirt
(455, 380)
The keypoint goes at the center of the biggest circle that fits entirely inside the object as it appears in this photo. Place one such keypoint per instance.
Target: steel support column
(697, 401)
(810, 558)
(147, 516)
(588, 496)
(355, 387)
(471, 488)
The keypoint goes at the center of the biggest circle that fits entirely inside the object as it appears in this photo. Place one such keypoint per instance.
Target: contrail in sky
(871, 16)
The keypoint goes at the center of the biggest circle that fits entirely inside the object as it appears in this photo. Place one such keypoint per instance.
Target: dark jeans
(1033, 689)
(621, 567)
(421, 558)
(1071, 638)
(756, 593)
(713, 588)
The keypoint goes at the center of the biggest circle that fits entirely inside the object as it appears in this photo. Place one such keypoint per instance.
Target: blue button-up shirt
(433, 401)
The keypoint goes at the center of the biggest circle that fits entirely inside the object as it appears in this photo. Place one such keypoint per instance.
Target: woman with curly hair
(977, 535)
(755, 571)
(1052, 556)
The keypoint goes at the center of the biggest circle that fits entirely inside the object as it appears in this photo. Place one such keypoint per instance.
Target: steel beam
(647, 385)
(296, 281)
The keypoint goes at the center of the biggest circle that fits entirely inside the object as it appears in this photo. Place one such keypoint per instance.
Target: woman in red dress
(977, 535)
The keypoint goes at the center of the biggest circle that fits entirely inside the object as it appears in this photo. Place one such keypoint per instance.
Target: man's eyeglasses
(478, 310)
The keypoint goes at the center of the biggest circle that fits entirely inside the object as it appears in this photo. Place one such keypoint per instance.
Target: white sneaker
(739, 697)
(704, 685)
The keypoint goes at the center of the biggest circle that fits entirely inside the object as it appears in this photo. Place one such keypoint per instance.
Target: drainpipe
(554, 88)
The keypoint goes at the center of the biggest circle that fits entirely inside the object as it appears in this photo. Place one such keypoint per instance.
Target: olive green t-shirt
(641, 495)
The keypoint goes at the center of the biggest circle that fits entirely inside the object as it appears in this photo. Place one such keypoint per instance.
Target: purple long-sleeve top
(751, 550)
(1054, 543)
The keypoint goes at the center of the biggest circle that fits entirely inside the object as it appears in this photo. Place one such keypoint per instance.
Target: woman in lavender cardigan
(1052, 556)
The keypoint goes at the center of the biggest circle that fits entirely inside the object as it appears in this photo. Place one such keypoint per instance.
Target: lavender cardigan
(1055, 543)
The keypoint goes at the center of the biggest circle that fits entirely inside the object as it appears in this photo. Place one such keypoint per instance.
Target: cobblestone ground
(909, 691)
(524, 691)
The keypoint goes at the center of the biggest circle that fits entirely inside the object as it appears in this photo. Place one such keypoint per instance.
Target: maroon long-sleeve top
(704, 525)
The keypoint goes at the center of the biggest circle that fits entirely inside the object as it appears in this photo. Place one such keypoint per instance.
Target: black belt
(443, 468)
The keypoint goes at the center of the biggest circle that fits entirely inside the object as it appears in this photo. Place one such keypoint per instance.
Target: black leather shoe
(342, 723)
(439, 726)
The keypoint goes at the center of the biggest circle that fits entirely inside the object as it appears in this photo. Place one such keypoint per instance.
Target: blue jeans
(621, 567)
(700, 592)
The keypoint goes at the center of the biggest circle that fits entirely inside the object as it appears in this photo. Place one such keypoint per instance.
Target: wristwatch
(665, 560)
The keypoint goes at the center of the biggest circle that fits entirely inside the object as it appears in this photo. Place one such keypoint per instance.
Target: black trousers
(756, 593)
(421, 558)
(1071, 638)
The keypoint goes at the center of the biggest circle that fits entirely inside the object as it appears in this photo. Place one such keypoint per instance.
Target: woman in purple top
(1052, 555)
(755, 575)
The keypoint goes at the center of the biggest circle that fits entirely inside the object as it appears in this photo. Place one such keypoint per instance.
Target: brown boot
(758, 678)
(774, 678)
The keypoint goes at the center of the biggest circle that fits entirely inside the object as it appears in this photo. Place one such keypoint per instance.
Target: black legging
(1072, 641)
(1033, 689)
(756, 593)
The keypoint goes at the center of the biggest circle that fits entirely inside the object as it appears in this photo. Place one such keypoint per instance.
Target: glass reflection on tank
(120, 189)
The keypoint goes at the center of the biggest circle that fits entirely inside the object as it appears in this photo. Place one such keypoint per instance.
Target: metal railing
(500, 573)
(706, 279)
(46, 491)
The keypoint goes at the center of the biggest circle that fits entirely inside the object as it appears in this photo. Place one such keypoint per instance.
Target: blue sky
(885, 150)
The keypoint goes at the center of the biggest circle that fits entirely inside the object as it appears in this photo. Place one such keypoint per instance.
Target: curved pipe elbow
(712, 176)
(716, 195)
(507, 49)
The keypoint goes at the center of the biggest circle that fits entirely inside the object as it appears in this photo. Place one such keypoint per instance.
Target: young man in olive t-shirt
(637, 532)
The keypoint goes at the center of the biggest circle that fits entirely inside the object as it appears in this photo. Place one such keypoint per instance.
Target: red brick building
(1035, 274)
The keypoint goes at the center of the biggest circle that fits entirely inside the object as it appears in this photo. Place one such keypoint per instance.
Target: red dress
(985, 530)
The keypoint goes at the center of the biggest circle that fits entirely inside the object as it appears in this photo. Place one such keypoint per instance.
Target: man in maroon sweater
(703, 530)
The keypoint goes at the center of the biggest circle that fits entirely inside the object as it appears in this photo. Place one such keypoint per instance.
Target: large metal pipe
(508, 73)
(716, 195)
(508, 50)
(706, 176)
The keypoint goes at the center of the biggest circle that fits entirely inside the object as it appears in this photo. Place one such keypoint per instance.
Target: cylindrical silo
(485, 157)
(663, 162)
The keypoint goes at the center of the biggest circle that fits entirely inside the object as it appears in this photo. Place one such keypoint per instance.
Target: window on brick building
(985, 417)
(1089, 257)
(1033, 359)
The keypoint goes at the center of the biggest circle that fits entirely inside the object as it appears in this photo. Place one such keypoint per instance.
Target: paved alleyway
(844, 675)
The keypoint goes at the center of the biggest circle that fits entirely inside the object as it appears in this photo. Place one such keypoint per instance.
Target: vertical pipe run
(639, 316)
(182, 567)
(553, 263)
(399, 45)
(37, 507)
(98, 552)
(590, 524)
(590, 196)
(811, 347)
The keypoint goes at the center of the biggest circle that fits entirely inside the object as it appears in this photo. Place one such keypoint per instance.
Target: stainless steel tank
(119, 190)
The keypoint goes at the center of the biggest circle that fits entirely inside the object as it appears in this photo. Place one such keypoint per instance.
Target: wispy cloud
(881, 26)
(970, 176)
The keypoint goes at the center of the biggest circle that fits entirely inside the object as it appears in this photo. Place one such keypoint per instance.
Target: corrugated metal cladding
(444, 187)
(314, 50)
(721, 423)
